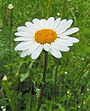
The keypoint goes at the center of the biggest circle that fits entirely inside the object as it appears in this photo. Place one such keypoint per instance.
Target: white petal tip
(77, 29)
(33, 58)
(68, 49)
(16, 49)
(15, 39)
(22, 56)
(46, 47)
(16, 33)
(77, 40)
(59, 57)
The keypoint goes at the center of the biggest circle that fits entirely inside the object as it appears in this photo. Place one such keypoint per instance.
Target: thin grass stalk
(43, 80)
(2, 12)
(47, 8)
(10, 40)
(2, 5)
(54, 88)
(12, 101)
(64, 8)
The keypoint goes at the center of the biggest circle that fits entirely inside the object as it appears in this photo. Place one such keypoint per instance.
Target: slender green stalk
(10, 41)
(48, 8)
(64, 8)
(56, 74)
(2, 5)
(43, 80)
(11, 98)
(54, 88)
(2, 12)
(81, 72)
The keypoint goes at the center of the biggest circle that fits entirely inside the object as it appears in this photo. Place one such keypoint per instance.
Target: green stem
(10, 37)
(64, 8)
(11, 99)
(54, 88)
(56, 74)
(43, 80)
(48, 8)
(73, 15)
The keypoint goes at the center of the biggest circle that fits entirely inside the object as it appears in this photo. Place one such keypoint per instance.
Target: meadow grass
(67, 79)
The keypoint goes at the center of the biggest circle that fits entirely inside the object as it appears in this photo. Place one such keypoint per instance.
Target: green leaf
(85, 74)
(54, 72)
(49, 106)
(10, 97)
(28, 104)
(60, 107)
(26, 75)
(23, 76)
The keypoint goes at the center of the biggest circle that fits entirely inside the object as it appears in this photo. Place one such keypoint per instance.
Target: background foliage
(69, 91)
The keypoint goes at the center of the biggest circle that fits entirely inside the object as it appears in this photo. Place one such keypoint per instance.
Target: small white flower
(38, 89)
(4, 78)
(83, 59)
(50, 35)
(10, 6)
(87, 89)
(1, 107)
(68, 92)
(65, 72)
(58, 13)
(4, 110)
(79, 106)
(83, 102)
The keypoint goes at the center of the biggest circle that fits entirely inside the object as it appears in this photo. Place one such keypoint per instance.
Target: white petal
(23, 39)
(56, 53)
(74, 40)
(61, 47)
(50, 22)
(27, 34)
(65, 26)
(23, 45)
(33, 47)
(69, 23)
(43, 23)
(64, 42)
(23, 29)
(71, 31)
(37, 52)
(61, 26)
(46, 47)
(56, 23)
(24, 53)
(37, 23)
(31, 26)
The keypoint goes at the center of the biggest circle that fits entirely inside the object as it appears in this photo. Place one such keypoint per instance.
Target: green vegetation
(67, 79)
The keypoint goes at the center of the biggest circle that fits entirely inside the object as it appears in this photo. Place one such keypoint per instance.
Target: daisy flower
(10, 6)
(50, 35)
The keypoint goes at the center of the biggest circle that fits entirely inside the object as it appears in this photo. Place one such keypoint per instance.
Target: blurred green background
(21, 91)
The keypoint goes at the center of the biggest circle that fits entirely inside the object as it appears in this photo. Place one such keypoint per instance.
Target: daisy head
(51, 35)
(10, 6)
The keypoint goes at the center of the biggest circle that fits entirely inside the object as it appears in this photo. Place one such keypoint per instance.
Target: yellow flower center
(45, 36)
